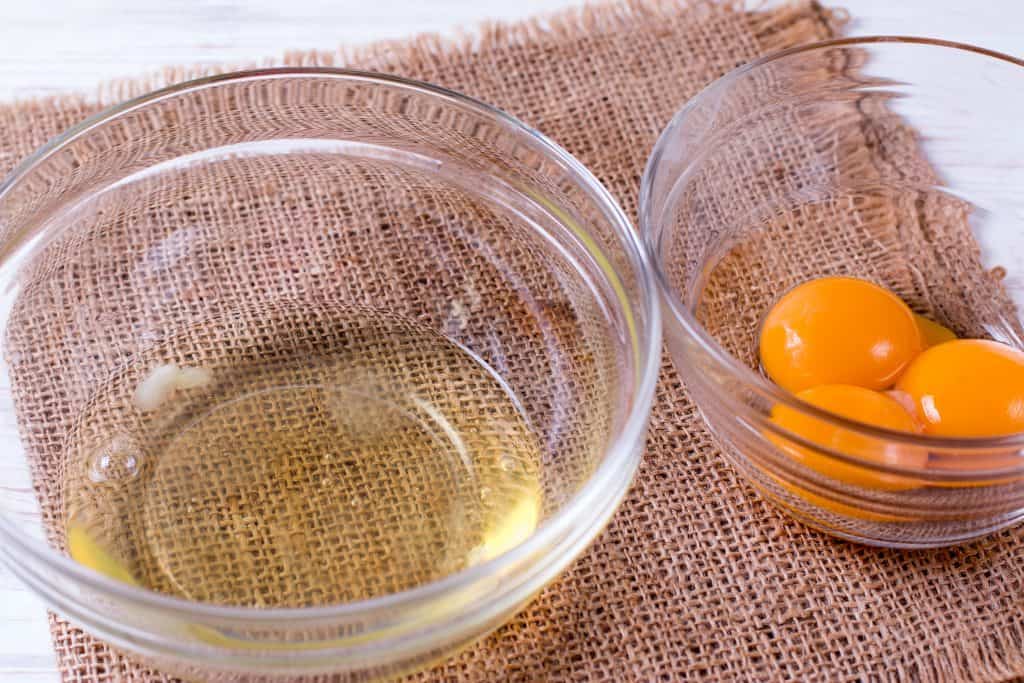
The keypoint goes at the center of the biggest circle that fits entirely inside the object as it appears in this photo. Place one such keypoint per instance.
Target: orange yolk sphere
(968, 388)
(862, 405)
(932, 333)
(838, 330)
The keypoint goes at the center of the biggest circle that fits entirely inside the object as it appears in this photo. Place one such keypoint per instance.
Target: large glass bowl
(890, 159)
(259, 218)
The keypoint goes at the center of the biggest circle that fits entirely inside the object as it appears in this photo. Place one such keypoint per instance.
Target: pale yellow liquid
(393, 459)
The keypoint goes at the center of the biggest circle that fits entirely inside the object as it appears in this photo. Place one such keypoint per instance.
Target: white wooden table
(62, 45)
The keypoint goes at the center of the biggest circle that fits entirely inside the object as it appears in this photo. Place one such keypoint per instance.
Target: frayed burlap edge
(787, 25)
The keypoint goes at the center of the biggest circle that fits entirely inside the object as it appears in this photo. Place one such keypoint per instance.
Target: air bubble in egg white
(119, 460)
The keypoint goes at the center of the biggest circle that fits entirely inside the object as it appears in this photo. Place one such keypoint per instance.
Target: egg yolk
(838, 330)
(932, 333)
(84, 549)
(855, 403)
(967, 388)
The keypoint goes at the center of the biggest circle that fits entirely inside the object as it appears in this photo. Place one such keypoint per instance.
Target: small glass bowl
(891, 159)
(250, 215)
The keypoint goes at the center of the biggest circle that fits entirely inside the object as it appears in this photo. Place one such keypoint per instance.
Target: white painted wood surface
(60, 45)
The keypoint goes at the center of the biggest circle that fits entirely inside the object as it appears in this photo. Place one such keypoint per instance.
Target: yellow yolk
(838, 330)
(932, 333)
(84, 549)
(967, 388)
(862, 405)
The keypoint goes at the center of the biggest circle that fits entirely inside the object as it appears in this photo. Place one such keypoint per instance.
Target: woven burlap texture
(695, 577)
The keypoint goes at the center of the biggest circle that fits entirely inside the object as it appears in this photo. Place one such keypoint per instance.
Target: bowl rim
(615, 471)
(680, 314)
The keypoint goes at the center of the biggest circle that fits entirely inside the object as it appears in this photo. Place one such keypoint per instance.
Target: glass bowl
(889, 159)
(344, 367)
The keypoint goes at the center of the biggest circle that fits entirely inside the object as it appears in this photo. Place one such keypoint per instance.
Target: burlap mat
(696, 577)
